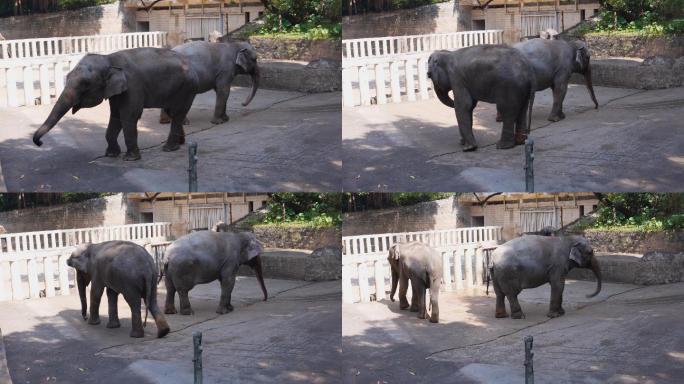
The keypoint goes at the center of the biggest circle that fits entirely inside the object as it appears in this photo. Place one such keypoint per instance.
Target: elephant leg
(112, 297)
(516, 310)
(560, 87)
(500, 304)
(222, 94)
(227, 285)
(162, 325)
(129, 120)
(176, 134)
(420, 292)
(164, 117)
(403, 288)
(556, 304)
(414, 299)
(134, 301)
(96, 291)
(185, 308)
(169, 307)
(113, 131)
(509, 112)
(521, 128)
(464, 116)
(434, 300)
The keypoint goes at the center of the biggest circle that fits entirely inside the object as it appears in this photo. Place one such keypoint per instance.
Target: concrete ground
(285, 141)
(293, 337)
(627, 334)
(632, 142)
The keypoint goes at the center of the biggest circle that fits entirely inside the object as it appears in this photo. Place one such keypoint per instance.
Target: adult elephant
(421, 264)
(123, 268)
(132, 79)
(554, 61)
(492, 73)
(216, 65)
(530, 261)
(204, 256)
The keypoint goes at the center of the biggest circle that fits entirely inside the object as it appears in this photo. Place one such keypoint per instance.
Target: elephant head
(582, 66)
(246, 63)
(87, 85)
(582, 254)
(440, 79)
(251, 256)
(393, 259)
(80, 261)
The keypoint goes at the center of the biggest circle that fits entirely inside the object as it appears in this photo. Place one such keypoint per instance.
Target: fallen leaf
(412, 177)
(81, 369)
(21, 177)
(412, 373)
(75, 177)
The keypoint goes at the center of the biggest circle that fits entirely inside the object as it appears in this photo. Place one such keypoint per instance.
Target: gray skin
(554, 61)
(132, 79)
(530, 261)
(492, 73)
(216, 65)
(421, 264)
(123, 268)
(204, 256)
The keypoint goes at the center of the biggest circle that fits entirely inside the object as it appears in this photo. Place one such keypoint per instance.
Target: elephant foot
(170, 147)
(413, 309)
(434, 318)
(498, 118)
(186, 311)
(557, 117)
(501, 313)
(520, 138)
(94, 321)
(181, 140)
(170, 310)
(557, 313)
(403, 306)
(132, 156)
(113, 323)
(220, 119)
(164, 120)
(505, 144)
(469, 147)
(112, 152)
(517, 315)
(137, 333)
(162, 327)
(224, 309)
(422, 316)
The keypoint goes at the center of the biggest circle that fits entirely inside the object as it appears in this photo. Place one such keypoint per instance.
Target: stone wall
(651, 73)
(298, 237)
(427, 216)
(320, 265)
(635, 46)
(435, 18)
(104, 19)
(296, 49)
(110, 210)
(636, 242)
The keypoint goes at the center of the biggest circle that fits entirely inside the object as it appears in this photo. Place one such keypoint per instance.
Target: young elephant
(204, 256)
(530, 261)
(123, 268)
(421, 264)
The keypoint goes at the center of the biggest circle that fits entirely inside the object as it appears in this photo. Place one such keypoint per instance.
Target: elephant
(531, 261)
(491, 73)
(123, 268)
(554, 61)
(421, 264)
(216, 65)
(204, 256)
(132, 79)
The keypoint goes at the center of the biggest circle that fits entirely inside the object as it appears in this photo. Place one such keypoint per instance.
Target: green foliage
(311, 19)
(306, 209)
(641, 211)
(10, 8)
(75, 4)
(364, 6)
(644, 17)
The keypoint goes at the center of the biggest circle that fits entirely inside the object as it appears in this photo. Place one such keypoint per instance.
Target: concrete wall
(431, 215)
(635, 46)
(298, 238)
(445, 17)
(98, 20)
(653, 73)
(636, 242)
(110, 210)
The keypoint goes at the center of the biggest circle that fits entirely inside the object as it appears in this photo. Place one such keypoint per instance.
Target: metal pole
(529, 368)
(192, 169)
(529, 165)
(197, 360)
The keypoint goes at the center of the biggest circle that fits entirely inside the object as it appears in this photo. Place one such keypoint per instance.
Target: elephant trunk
(255, 263)
(255, 85)
(64, 103)
(590, 86)
(82, 281)
(443, 96)
(395, 281)
(597, 271)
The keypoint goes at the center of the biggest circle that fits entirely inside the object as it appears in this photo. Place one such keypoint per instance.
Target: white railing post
(363, 283)
(379, 280)
(32, 272)
(49, 277)
(15, 272)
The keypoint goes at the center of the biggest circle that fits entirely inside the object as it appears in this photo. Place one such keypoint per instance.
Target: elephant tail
(533, 88)
(150, 291)
(162, 272)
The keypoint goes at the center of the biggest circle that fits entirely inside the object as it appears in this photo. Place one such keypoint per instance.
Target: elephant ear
(582, 57)
(576, 254)
(242, 59)
(252, 248)
(116, 82)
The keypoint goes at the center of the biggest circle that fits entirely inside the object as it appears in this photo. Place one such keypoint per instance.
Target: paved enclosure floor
(282, 141)
(634, 141)
(627, 334)
(293, 337)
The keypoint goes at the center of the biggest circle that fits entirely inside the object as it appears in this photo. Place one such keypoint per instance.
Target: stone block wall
(296, 49)
(636, 242)
(98, 20)
(298, 237)
(635, 46)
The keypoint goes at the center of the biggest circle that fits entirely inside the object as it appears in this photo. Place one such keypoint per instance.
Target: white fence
(33, 264)
(33, 71)
(366, 274)
(394, 69)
